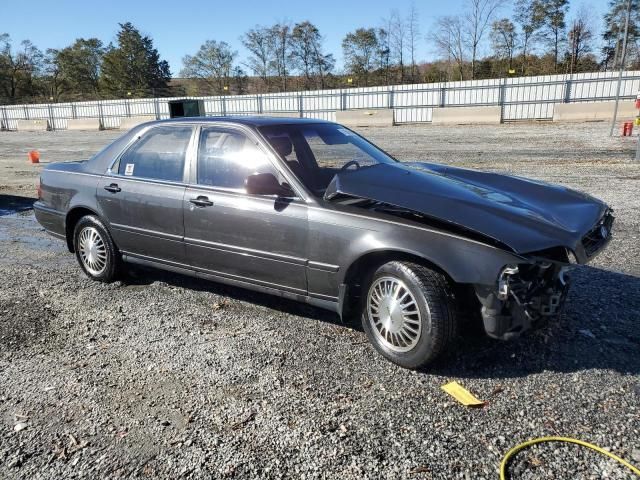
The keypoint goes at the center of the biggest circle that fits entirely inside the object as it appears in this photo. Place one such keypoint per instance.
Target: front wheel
(408, 313)
(95, 251)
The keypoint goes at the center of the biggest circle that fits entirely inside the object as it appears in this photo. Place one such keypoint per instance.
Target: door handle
(113, 188)
(201, 201)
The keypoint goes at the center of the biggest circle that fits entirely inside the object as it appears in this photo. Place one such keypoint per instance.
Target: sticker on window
(345, 132)
(128, 170)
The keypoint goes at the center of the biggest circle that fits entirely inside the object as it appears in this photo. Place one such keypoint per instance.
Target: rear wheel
(408, 313)
(95, 251)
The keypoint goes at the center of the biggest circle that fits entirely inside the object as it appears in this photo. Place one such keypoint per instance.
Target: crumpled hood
(526, 215)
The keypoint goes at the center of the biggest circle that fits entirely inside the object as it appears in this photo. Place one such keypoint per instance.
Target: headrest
(282, 145)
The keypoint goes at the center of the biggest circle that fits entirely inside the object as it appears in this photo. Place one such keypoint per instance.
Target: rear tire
(409, 313)
(95, 250)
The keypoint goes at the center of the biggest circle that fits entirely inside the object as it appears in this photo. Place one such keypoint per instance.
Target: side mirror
(266, 184)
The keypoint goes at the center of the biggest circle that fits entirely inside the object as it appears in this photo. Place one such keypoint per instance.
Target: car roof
(102, 160)
(249, 120)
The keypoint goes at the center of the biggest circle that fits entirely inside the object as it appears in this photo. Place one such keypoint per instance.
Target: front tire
(408, 313)
(95, 251)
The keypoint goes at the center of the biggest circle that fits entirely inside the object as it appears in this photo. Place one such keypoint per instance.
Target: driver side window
(227, 157)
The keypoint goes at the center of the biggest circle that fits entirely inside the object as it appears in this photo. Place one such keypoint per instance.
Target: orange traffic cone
(34, 156)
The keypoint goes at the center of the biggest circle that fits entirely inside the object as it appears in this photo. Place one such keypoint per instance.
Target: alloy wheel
(394, 315)
(93, 251)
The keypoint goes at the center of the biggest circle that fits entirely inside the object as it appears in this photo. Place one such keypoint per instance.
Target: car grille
(598, 236)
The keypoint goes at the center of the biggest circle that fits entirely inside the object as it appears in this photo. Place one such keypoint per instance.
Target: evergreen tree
(78, 66)
(133, 65)
(613, 35)
(554, 22)
(529, 15)
(360, 49)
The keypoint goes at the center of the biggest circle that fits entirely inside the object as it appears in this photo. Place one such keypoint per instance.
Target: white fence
(521, 98)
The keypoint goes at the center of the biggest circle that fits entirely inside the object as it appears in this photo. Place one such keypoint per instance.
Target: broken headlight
(503, 281)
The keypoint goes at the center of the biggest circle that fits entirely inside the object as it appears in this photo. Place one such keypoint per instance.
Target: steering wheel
(348, 164)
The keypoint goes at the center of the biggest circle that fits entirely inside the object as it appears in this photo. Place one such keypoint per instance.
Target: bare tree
(280, 38)
(413, 33)
(18, 68)
(448, 37)
(478, 18)
(397, 40)
(503, 39)
(307, 55)
(580, 38)
(258, 41)
(212, 63)
(383, 61)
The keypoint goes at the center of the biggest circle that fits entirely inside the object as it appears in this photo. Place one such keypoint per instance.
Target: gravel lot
(164, 376)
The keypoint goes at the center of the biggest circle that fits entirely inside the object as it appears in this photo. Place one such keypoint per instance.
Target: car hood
(525, 215)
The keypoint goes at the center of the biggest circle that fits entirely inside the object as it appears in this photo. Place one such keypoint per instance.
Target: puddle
(22, 228)
(4, 212)
(13, 204)
(37, 242)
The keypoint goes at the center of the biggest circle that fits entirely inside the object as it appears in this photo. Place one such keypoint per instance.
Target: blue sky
(179, 28)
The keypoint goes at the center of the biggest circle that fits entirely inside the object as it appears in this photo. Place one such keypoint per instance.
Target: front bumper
(527, 297)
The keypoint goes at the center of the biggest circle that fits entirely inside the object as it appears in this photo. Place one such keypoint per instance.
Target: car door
(229, 233)
(142, 195)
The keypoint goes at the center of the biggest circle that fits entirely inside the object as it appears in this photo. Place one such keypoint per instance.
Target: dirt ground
(164, 376)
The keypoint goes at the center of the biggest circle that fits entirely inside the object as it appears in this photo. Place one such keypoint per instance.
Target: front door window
(227, 157)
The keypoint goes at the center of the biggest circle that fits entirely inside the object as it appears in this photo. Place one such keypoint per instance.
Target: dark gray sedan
(309, 210)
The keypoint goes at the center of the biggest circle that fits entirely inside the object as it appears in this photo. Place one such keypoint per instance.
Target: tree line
(541, 37)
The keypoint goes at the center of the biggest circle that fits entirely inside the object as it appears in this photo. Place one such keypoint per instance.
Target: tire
(411, 332)
(95, 250)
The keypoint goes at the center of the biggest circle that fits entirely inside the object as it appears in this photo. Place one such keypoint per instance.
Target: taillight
(39, 189)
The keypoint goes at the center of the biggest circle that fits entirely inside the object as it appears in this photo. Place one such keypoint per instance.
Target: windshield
(316, 152)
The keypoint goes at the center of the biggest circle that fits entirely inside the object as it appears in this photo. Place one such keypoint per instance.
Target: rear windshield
(316, 152)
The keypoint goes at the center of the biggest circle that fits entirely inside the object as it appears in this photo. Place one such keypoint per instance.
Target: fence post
(502, 95)
(259, 103)
(343, 100)
(156, 108)
(100, 115)
(567, 90)
(74, 113)
(26, 112)
(443, 96)
(5, 125)
(127, 103)
(51, 119)
(223, 101)
(390, 99)
(300, 105)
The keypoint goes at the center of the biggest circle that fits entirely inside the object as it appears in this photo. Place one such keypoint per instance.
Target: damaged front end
(527, 296)
(545, 228)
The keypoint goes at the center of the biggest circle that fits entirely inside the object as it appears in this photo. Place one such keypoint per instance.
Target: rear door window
(160, 154)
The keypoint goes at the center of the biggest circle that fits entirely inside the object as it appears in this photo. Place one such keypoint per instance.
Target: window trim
(113, 170)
